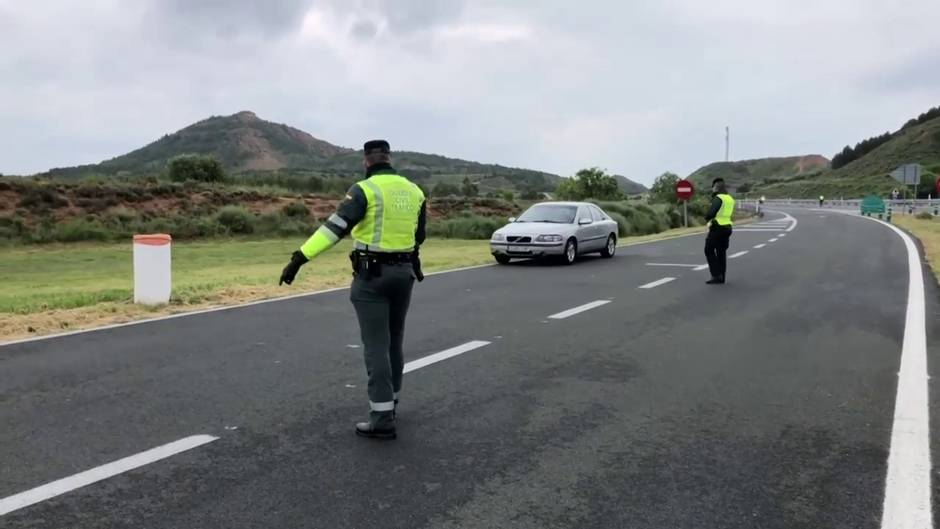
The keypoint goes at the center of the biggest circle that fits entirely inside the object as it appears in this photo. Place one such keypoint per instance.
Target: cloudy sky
(636, 87)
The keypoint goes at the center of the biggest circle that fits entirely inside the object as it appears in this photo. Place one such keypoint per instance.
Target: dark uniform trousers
(381, 305)
(716, 250)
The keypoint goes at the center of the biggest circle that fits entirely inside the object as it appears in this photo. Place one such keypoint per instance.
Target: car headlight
(499, 237)
(548, 238)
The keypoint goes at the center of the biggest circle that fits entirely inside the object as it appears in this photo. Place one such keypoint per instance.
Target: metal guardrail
(897, 206)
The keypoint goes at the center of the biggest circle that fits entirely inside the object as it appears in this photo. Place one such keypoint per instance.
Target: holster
(416, 266)
(365, 266)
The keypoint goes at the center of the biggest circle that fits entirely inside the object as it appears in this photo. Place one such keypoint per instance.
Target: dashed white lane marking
(782, 235)
(907, 487)
(578, 310)
(736, 255)
(82, 479)
(772, 240)
(759, 246)
(658, 282)
(755, 230)
(700, 267)
(672, 264)
(444, 355)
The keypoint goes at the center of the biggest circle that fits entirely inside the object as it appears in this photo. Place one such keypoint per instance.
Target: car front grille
(517, 239)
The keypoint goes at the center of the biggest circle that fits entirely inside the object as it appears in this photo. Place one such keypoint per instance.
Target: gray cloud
(229, 18)
(364, 30)
(413, 15)
(918, 72)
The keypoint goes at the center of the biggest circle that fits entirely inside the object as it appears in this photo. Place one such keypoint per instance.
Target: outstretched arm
(340, 224)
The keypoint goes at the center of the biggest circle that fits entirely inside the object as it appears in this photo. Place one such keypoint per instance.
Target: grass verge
(64, 287)
(928, 231)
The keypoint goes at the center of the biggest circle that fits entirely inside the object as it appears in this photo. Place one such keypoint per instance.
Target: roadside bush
(36, 198)
(236, 220)
(12, 229)
(465, 227)
(192, 227)
(81, 230)
(623, 227)
(296, 209)
(925, 215)
(197, 168)
(292, 226)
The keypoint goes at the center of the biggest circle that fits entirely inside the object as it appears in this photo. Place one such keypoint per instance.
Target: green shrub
(925, 215)
(42, 197)
(81, 230)
(623, 227)
(293, 226)
(236, 220)
(466, 227)
(296, 209)
(194, 167)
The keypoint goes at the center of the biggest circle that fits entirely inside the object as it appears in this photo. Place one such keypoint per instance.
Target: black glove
(416, 265)
(297, 259)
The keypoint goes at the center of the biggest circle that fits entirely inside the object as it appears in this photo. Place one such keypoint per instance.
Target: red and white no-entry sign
(684, 190)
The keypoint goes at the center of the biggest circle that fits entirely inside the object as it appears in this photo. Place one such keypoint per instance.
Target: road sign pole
(685, 213)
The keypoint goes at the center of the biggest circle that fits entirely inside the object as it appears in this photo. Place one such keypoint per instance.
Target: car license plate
(517, 249)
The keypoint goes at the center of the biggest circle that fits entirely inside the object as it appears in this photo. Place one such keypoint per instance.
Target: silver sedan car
(561, 229)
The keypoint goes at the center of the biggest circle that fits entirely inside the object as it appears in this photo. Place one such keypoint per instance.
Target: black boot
(716, 281)
(367, 429)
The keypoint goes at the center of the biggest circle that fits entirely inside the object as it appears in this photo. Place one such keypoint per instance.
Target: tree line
(850, 154)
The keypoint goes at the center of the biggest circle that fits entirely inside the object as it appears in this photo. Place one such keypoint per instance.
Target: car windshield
(549, 213)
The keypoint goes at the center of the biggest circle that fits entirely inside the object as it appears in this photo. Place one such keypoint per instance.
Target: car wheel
(611, 247)
(502, 259)
(571, 252)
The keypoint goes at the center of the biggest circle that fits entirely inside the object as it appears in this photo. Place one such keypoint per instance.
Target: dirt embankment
(41, 202)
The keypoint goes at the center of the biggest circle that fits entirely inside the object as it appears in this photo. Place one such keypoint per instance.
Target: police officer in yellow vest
(719, 219)
(386, 215)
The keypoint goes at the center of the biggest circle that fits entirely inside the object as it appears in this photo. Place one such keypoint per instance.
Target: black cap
(719, 179)
(376, 146)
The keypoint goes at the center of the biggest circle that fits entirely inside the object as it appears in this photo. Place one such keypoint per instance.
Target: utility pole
(727, 144)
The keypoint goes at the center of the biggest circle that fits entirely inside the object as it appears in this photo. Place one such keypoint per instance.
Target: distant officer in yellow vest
(719, 219)
(822, 200)
(386, 215)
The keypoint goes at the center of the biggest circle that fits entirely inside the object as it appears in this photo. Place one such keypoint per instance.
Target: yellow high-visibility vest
(723, 218)
(391, 220)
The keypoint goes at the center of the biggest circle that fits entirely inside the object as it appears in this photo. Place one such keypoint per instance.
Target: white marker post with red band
(152, 280)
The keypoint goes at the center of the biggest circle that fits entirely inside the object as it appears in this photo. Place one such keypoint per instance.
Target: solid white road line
(578, 310)
(444, 355)
(658, 282)
(739, 230)
(772, 240)
(736, 255)
(56, 488)
(672, 264)
(701, 267)
(759, 246)
(907, 488)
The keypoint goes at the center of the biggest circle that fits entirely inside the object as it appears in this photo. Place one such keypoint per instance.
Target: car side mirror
(584, 221)
(512, 219)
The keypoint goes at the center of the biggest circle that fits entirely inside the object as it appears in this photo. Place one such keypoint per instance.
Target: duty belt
(382, 257)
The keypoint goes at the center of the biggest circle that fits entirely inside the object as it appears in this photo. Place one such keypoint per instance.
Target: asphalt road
(766, 402)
